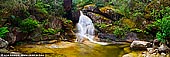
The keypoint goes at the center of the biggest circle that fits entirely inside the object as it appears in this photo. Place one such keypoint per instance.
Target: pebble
(163, 54)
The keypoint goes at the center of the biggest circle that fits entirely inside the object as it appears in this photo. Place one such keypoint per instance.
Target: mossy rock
(111, 13)
(97, 18)
(128, 22)
(108, 11)
(106, 8)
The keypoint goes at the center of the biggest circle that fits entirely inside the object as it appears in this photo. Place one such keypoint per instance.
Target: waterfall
(86, 29)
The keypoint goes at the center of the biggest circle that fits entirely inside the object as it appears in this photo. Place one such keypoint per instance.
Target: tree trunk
(67, 8)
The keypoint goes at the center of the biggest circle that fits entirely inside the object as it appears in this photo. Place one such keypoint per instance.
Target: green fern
(3, 31)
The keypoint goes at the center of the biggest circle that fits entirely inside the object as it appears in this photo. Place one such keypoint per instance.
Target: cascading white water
(86, 29)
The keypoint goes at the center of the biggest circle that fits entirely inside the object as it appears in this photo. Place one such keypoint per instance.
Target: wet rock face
(105, 36)
(99, 18)
(3, 43)
(130, 37)
(140, 45)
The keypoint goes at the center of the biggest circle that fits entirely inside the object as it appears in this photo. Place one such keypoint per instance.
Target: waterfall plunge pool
(69, 49)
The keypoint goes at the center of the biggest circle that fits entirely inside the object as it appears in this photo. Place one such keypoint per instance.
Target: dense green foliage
(53, 7)
(78, 4)
(164, 27)
(119, 31)
(41, 7)
(3, 31)
(28, 25)
(161, 24)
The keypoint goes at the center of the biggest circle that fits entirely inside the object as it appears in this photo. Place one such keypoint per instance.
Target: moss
(128, 22)
(90, 5)
(104, 9)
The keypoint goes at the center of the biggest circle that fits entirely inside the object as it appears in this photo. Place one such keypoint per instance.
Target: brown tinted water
(68, 49)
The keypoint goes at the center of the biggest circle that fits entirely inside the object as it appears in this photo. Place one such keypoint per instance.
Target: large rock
(111, 13)
(140, 45)
(3, 43)
(163, 48)
(107, 11)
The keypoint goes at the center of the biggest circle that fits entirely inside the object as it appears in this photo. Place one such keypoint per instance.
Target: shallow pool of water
(68, 49)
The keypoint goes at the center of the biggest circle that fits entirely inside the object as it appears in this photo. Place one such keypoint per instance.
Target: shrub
(28, 25)
(3, 31)
(51, 31)
(41, 7)
(121, 31)
(164, 28)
